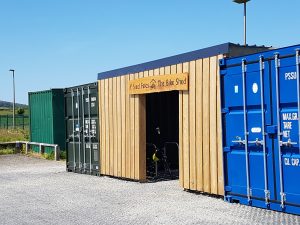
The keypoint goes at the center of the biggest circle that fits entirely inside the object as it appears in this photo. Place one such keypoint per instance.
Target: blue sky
(61, 43)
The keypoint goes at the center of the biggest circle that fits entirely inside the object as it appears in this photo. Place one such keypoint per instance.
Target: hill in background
(4, 104)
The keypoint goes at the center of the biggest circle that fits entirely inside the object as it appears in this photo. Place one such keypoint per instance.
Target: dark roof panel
(186, 57)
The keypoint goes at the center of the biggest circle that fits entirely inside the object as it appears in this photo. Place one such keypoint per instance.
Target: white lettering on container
(290, 76)
(286, 133)
(287, 125)
(236, 89)
(290, 116)
(255, 129)
(291, 162)
(254, 88)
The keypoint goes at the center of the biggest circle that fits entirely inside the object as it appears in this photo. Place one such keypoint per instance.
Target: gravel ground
(37, 191)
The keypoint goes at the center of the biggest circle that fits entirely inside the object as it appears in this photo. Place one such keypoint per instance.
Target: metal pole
(245, 23)
(262, 103)
(90, 139)
(83, 128)
(14, 96)
(246, 133)
(73, 135)
(79, 139)
(298, 92)
(279, 133)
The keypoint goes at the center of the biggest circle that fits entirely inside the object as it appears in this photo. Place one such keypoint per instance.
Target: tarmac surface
(38, 191)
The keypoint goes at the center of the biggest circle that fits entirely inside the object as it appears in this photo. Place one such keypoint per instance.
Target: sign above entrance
(173, 82)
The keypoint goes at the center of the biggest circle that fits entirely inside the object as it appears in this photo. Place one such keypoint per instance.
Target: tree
(20, 111)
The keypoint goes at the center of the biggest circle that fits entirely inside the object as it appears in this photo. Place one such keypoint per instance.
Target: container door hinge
(249, 193)
(277, 60)
(283, 200)
(267, 197)
(225, 110)
(223, 72)
(228, 188)
(222, 63)
(262, 66)
(226, 149)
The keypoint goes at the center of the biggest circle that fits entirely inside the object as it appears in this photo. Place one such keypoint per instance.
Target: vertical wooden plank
(167, 70)
(102, 132)
(100, 124)
(142, 137)
(213, 126)
(119, 128)
(111, 127)
(162, 71)
(132, 131)
(107, 123)
(173, 69)
(181, 165)
(151, 73)
(206, 139)
(219, 134)
(128, 130)
(146, 74)
(137, 149)
(156, 72)
(192, 124)
(199, 137)
(185, 133)
(123, 119)
(115, 128)
(138, 133)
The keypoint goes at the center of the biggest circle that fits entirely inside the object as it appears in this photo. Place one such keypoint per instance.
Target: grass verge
(13, 135)
(7, 151)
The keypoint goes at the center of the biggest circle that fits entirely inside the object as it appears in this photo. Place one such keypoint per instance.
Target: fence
(21, 121)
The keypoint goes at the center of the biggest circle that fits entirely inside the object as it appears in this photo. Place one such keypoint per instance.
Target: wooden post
(26, 147)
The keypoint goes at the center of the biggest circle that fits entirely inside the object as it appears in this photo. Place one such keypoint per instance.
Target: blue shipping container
(260, 114)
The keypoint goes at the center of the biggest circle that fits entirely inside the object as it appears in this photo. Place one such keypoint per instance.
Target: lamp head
(241, 1)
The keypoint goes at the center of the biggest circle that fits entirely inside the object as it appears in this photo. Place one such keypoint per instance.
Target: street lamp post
(14, 96)
(245, 17)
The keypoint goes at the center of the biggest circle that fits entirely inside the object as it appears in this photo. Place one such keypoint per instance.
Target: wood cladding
(123, 126)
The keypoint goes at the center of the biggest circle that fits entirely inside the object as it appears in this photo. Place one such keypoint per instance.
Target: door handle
(257, 142)
(288, 143)
(239, 140)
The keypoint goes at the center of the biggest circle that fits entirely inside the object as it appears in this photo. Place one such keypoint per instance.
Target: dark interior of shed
(162, 114)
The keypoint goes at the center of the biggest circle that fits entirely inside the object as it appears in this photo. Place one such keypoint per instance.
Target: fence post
(26, 147)
(57, 153)
(23, 122)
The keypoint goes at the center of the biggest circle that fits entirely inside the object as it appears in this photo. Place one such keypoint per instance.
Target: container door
(286, 114)
(90, 115)
(247, 116)
(74, 130)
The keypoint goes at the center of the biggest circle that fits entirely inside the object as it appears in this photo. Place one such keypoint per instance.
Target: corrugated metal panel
(58, 118)
(261, 139)
(47, 117)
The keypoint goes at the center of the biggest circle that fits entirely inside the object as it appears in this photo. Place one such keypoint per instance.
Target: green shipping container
(47, 123)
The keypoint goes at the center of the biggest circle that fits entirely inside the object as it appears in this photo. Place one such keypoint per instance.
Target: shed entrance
(162, 135)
